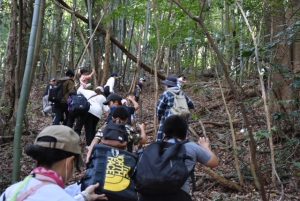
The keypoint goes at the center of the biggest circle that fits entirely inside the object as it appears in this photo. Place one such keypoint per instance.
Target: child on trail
(57, 152)
(85, 77)
(175, 129)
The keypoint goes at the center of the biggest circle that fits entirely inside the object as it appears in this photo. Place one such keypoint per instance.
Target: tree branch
(102, 31)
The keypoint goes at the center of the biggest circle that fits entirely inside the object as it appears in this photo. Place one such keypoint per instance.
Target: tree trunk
(106, 66)
(56, 41)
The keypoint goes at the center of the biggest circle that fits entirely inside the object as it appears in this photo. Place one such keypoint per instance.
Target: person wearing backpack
(47, 105)
(109, 164)
(91, 118)
(57, 152)
(168, 175)
(67, 88)
(166, 105)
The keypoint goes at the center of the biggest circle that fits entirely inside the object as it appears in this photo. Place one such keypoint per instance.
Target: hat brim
(106, 102)
(169, 83)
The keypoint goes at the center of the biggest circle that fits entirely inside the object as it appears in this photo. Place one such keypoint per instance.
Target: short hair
(175, 126)
(70, 73)
(121, 112)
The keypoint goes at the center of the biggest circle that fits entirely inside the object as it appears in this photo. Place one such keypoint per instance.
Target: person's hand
(90, 195)
(142, 126)
(130, 97)
(204, 142)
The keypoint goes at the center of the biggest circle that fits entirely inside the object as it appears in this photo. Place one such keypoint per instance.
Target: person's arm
(161, 107)
(189, 102)
(95, 141)
(143, 139)
(213, 161)
(135, 104)
(90, 75)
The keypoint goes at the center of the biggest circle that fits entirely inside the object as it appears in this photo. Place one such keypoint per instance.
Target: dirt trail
(210, 109)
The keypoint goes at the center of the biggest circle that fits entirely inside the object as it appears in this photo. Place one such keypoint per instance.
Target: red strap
(31, 191)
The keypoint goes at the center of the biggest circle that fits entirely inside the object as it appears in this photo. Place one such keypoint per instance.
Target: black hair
(70, 73)
(48, 156)
(121, 112)
(83, 71)
(175, 126)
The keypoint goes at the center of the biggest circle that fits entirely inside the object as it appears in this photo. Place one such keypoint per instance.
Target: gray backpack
(180, 106)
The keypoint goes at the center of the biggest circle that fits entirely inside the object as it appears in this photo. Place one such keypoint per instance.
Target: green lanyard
(21, 187)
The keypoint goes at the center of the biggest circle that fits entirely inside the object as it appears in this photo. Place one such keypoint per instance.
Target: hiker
(181, 80)
(138, 89)
(166, 102)
(110, 84)
(61, 107)
(175, 129)
(47, 105)
(130, 100)
(115, 133)
(85, 77)
(110, 164)
(91, 118)
(57, 152)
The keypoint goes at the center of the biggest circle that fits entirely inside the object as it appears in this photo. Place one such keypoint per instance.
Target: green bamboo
(24, 93)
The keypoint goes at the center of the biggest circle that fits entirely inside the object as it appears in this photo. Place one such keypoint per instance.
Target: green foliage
(262, 134)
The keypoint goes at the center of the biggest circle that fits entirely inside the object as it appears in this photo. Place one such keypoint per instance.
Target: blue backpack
(78, 104)
(161, 168)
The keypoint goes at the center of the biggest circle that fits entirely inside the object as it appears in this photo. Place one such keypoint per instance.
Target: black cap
(112, 97)
(170, 81)
(115, 131)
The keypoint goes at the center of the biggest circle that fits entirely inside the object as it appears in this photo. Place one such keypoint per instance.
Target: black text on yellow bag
(112, 169)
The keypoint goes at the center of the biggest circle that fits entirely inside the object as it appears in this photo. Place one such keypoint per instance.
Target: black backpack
(112, 169)
(78, 104)
(161, 169)
(56, 93)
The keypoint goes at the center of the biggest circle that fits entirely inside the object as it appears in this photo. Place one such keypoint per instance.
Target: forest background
(242, 60)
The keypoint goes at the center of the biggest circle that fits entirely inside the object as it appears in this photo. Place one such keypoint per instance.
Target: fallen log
(221, 180)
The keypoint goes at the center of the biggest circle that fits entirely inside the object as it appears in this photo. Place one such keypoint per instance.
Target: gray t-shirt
(198, 154)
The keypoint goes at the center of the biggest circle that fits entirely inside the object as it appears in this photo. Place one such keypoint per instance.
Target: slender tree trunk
(56, 41)
(107, 57)
(252, 144)
(37, 52)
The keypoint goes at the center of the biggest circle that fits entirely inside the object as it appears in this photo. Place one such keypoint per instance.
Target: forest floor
(210, 109)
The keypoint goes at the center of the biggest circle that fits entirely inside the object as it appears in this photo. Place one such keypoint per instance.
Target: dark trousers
(61, 113)
(179, 196)
(89, 121)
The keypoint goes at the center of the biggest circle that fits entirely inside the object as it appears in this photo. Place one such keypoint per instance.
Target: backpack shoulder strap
(92, 96)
